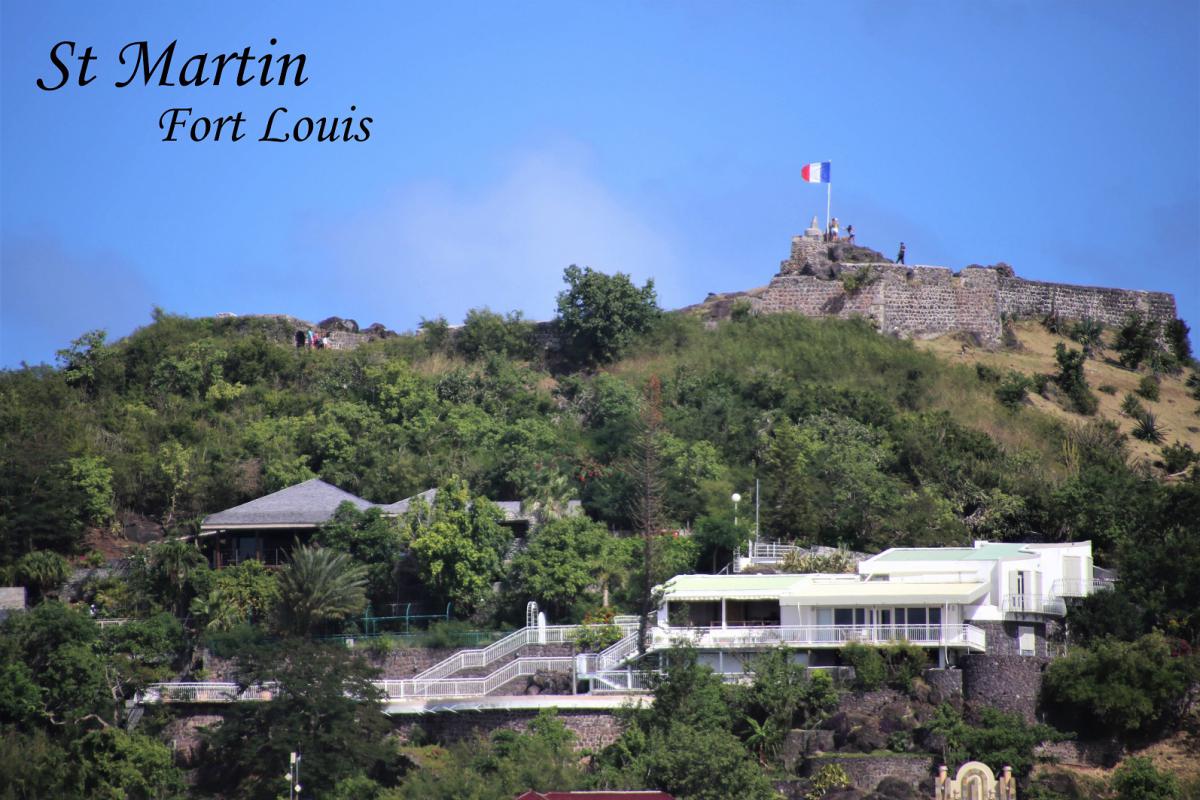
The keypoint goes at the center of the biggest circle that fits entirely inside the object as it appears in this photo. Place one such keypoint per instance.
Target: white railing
(620, 681)
(1028, 604)
(111, 621)
(483, 657)
(822, 635)
(616, 654)
(472, 687)
(1080, 587)
(201, 692)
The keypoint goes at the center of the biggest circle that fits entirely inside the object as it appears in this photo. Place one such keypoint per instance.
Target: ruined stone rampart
(821, 279)
(1021, 298)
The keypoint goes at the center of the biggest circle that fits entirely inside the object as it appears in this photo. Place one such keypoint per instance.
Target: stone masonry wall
(1010, 683)
(920, 301)
(866, 772)
(1023, 298)
(592, 729)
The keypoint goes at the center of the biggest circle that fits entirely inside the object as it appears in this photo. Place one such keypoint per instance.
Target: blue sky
(662, 139)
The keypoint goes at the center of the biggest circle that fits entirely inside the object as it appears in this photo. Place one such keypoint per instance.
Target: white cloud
(435, 248)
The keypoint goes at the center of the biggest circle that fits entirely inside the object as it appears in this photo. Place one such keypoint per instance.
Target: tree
(1089, 333)
(87, 361)
(174, 562)
(42, 570)
(243, 593)
(682, 743)
(644, 468)
(562, 561)
(1138, 779)
(1072, 381)
(485, 333)
(126, 766)
(56, 648)
(1136, 341)
(1129, 689)
(1176, 334)
(143, 651)
(781, 697)
(998, 739)
(323, 706)
(317, 586)
(459, 544)
(93, 479)
(371, 539)
(599, 315)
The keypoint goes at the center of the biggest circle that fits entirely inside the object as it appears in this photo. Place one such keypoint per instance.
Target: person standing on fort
(900, 255)
(850, 234)
(833, 229)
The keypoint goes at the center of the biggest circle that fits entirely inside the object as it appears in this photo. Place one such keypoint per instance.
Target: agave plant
(1148, 430)
(319, 585)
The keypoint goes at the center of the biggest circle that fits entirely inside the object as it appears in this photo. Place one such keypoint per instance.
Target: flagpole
(828, 203)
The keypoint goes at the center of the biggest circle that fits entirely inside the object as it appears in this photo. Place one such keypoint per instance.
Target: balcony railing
(1080, 587)
(822, 636)
(1053, 605)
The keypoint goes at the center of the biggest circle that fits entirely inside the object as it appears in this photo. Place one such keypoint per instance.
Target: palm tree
(177, 561)
(319, 585)
(42, 570)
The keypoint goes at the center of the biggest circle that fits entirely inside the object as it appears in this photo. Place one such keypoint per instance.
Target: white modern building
(997, 598)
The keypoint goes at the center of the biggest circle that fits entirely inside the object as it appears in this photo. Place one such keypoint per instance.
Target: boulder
(891, 788)
(338, 324)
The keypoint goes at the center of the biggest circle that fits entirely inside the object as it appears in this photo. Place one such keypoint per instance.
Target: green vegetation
(651, 420)
(1148, 387)
(1071, 380)
(1127, 689)
(317, 586)
(997, 740)
(895, 665)
(1137, 779)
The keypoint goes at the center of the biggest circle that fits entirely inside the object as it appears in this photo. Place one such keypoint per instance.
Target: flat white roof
(817, 589)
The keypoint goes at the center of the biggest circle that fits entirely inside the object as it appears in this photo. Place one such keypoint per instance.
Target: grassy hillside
(857, 438)
(1177, 410)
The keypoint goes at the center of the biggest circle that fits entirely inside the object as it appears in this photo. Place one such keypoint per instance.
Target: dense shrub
(1138, 779)
(1148, 387)
(1178, 456)
(1013, 389)
(870, 669)
(1127, 689)
(1071, 380)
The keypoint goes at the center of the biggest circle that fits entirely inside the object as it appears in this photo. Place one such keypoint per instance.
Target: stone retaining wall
(867, 771)
(948, 681)
(592, 729)
(1009, 683)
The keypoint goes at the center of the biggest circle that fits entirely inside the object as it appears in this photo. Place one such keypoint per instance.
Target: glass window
(885, 616)
(843, 616)
(935, 616)
(860, 616)
(916, 616)
(900, 617)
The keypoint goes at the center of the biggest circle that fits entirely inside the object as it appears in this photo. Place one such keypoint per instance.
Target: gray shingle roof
(402, 506)
(310, 503)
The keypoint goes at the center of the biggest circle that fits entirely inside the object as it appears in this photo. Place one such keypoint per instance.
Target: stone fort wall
(924, 301)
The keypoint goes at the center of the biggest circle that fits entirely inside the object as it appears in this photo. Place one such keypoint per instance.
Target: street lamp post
(293, 776)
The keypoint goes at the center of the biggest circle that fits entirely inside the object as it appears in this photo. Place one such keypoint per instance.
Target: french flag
(816, 173)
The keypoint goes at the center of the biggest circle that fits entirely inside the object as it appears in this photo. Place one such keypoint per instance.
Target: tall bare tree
(644, 468)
